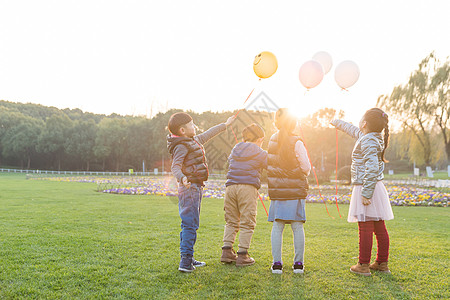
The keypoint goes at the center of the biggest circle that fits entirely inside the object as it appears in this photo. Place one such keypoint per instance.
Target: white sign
(155, 171)
(416, 171)
(429, 172)
(391, 172)
(448, 170)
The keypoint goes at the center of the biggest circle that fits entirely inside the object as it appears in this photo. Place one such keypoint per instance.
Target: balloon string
(260, 198)
(244, 103)
(337, 156)
(248, 97)
(314, 171)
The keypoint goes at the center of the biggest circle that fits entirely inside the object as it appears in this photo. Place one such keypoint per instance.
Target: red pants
(366, 230)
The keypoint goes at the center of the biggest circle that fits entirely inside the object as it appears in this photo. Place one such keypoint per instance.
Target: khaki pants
(240, 213)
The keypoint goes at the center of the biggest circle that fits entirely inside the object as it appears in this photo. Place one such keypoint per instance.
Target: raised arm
(202, 138)
(348, 128)
(213, 131)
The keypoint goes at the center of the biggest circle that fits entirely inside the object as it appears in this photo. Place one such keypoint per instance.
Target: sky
(141, 57)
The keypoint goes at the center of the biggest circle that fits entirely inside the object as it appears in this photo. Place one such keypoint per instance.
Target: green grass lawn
(64, 240)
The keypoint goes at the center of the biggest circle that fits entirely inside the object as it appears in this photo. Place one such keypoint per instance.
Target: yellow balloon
(265, 64)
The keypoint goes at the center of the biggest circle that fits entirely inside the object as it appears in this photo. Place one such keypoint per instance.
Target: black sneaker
(186, 265)
(298, 267)
(277, 267)
(197, 263)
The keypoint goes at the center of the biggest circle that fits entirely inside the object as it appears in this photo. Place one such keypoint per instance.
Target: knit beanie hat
(177, 120)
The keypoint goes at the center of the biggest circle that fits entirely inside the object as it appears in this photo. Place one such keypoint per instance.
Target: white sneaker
(298, 267)
(197, 263)
(277, 268)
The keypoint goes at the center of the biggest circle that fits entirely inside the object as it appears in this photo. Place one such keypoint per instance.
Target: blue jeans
(189, 202)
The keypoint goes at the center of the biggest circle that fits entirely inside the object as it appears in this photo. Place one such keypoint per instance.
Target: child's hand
(185, 182)
(366, 201)
(230, 120)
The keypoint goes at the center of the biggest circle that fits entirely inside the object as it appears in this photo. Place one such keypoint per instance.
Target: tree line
(34, 136)
(37, 137)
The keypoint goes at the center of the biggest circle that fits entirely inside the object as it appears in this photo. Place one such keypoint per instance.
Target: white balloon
(310, 74)
(324, 59)
(346, 74)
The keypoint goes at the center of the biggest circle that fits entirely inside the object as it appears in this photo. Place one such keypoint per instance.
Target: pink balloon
(346, 74)
(310, 74)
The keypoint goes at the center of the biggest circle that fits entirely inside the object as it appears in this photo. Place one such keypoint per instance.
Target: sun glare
(300, 109)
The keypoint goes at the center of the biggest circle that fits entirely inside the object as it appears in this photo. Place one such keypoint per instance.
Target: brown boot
(361, 269)
(228, 255)
(244, 259)
(380, 267)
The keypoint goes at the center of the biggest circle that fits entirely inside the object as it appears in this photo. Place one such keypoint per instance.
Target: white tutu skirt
(379, 209)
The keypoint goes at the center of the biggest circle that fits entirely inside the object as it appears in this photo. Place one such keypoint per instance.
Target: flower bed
(400, 195)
